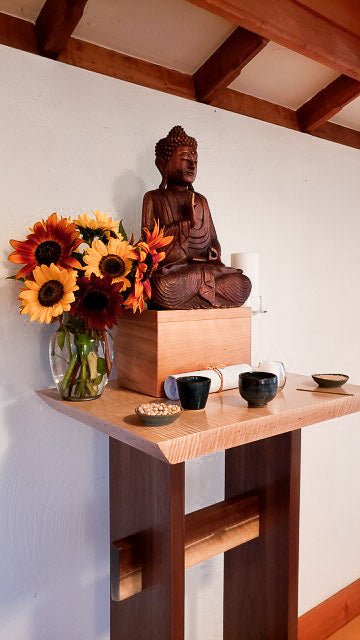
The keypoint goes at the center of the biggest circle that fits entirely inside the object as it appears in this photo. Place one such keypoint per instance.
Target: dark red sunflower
(98, 302)
(51, 241)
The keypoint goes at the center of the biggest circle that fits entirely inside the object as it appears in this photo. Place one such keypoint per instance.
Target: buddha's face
(182, 166)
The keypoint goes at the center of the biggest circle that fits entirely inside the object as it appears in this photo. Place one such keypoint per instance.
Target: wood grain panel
(294, 27)
(56, 23)
(260, 578)
(147, 499)
(118, 65)
(332, 614)
(157, 344)
(226, 63)
(328, 102)
(226, 421)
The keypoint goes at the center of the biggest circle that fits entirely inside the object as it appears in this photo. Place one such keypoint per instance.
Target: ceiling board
(349, 116)
(283, 76)
(26, 9)
(172, 33)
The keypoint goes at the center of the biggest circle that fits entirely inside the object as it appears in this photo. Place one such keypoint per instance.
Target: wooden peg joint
(208, 532)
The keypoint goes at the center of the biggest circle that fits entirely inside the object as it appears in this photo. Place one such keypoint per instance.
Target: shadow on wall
(128, 193)
(53, 500)
(129, 189)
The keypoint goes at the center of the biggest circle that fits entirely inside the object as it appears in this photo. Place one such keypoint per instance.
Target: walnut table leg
(261, 577)
(147, 500)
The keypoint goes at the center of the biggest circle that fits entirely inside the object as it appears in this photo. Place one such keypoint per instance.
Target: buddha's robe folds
(192, 275)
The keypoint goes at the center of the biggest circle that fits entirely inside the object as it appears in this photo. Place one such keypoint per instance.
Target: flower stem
(66, 379)
(83, 378)
(107, 353)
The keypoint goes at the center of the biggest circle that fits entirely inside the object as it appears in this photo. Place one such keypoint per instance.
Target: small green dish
(330, 379)
(157, 421)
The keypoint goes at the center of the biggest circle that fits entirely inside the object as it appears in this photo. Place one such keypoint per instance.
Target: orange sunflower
(52, 241)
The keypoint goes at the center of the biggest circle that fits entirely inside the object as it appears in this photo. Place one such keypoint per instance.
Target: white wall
(73, 141)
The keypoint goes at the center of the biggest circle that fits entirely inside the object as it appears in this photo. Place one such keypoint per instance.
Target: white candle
(249, 263)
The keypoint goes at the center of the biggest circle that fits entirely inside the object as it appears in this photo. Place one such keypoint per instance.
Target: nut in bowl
(330, 379)
(157, 414)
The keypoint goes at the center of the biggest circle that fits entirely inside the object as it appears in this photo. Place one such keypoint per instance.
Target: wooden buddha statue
(192, 275)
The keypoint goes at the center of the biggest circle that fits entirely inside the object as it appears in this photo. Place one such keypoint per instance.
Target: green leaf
(101, 366)
(15, 278)
(61, 339)
(122, 230)
(98, 380)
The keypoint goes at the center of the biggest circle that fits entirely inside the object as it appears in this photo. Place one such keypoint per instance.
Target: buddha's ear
(161, 165)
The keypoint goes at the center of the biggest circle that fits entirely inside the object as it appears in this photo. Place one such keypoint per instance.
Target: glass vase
(80, 363)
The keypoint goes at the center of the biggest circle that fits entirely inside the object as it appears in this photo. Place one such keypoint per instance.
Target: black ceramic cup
(193, 391)
(258, 387)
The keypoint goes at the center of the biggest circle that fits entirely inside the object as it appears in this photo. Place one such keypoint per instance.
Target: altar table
(256, 526)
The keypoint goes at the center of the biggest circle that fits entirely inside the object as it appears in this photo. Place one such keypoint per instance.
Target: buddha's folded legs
(232, 290)
(199, 286)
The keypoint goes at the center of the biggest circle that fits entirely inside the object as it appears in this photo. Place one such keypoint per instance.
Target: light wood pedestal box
(156, 344)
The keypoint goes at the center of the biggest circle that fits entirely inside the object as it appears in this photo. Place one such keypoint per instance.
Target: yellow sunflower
(101, 223)
(49, 294)
(114, 259)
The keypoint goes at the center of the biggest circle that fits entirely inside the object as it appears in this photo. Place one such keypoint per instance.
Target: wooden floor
(351, 631)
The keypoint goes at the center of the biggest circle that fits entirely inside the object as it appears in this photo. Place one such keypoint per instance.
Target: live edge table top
(226, 421)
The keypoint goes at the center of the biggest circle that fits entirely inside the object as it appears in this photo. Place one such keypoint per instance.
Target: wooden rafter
(117, 65)
(339, 134)
(253, 107)
(225, 64)
(328, 102)
(296, 27)
(20, 34)
(56, 23)
(17, 33)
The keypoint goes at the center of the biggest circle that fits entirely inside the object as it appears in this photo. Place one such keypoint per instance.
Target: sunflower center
(48, 252)
(112, 265)
(50, 293)
(96, 301)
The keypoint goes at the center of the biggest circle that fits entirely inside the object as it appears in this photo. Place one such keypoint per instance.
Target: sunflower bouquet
(83, 273)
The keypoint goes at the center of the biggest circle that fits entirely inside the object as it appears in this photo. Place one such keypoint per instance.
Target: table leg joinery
(153, 542)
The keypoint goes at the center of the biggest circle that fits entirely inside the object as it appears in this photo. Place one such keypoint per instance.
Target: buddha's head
(176, 158)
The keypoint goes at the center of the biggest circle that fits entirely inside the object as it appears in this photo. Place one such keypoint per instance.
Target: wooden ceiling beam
(336, 133)
(118, 65)
(226, 63)
(56, 23)
(20, 34)
(294, 26)
(252, 107)
(328, 102)
(17, 33)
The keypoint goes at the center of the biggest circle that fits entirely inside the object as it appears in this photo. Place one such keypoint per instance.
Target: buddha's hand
(190, 206)
(213, 255)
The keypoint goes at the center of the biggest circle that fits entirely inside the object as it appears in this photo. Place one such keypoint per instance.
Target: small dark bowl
(258, 387)
(156, 421)
(330, 379)
(193, 391)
